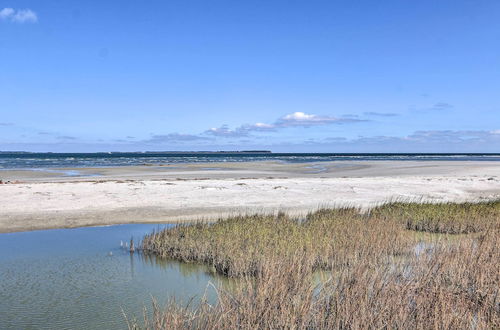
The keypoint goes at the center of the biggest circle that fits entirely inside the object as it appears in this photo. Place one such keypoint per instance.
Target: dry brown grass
(381, 275)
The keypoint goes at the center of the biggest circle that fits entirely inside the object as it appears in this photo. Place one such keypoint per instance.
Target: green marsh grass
(401, 265)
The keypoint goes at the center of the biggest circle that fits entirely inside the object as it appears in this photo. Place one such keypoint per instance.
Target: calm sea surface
(55, 160)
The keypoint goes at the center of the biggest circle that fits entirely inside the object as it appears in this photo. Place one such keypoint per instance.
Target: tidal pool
(82, 279)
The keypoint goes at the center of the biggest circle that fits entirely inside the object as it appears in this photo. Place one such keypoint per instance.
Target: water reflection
(82, 279)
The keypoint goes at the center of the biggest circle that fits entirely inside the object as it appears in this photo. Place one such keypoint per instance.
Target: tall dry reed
(381, 272)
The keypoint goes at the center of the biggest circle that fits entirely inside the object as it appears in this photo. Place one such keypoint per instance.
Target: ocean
(79, 160)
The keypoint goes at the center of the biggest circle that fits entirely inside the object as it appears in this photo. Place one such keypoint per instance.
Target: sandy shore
(82, 197)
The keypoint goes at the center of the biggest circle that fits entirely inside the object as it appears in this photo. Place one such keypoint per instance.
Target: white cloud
(6, 13)
(257, 127)
(263, 126)
(25, 15)
(296, 119)
(497, 131)
(300, 116)
(18, 16)
(306, 120)
(225, 131)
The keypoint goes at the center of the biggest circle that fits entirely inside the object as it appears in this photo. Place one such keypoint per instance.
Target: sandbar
(75, 197)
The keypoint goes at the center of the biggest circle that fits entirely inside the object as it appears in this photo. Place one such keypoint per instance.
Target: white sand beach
(102, 196)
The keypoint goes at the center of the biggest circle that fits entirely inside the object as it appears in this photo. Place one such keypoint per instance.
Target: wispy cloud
(175, 137)
(306, 120)
(6, 13)
(225, 131)
(442, 106)
(449, 137)
(6, 124)
(259, 127)
(66, 138)
(438, 106)
(295, 119)
(381, 114)
(459, 141)
(336, 139)
(419, 141)
(241, 131)
(452, 136)
(18, 15)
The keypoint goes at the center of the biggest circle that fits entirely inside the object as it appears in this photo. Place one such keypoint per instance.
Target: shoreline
(253, 169)
(170, 194)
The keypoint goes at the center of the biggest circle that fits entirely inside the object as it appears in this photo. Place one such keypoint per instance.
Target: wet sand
(73, 197)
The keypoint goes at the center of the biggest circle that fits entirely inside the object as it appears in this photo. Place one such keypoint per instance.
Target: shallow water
(82, 279)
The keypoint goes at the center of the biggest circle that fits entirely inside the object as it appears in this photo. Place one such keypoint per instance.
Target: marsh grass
(377, 277)
(444, 218)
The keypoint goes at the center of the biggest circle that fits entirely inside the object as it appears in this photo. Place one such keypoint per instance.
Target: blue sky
(288, 76)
